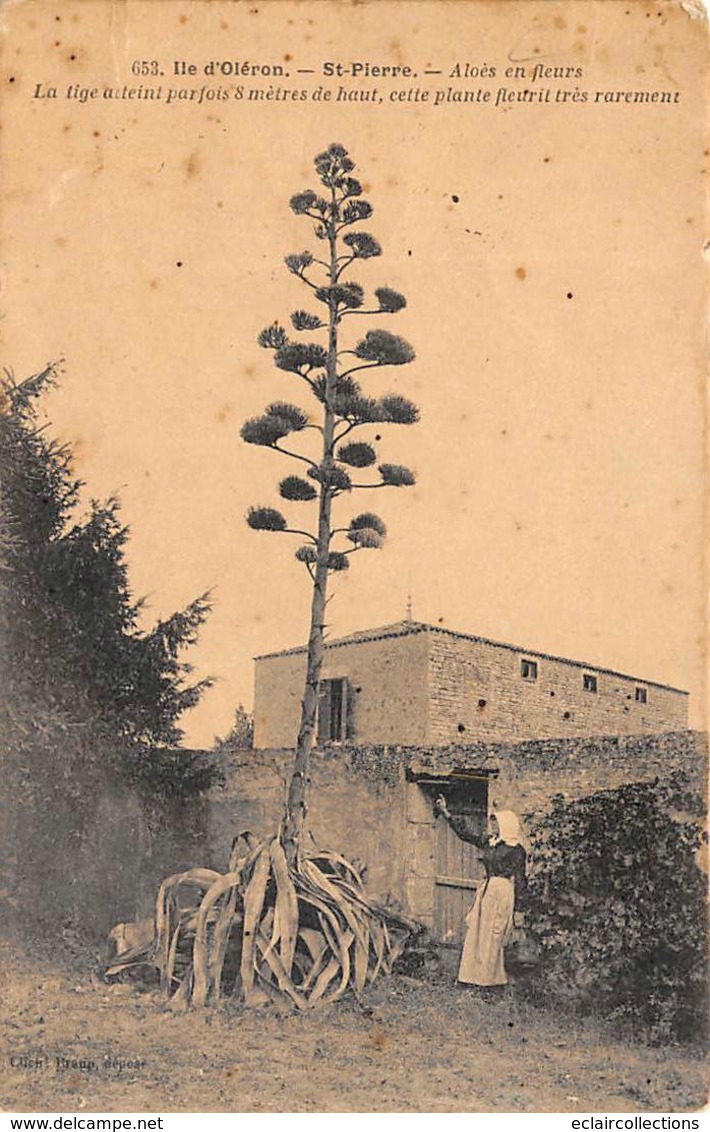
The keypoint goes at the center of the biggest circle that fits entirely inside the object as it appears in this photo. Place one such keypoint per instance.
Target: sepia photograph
(317, 801)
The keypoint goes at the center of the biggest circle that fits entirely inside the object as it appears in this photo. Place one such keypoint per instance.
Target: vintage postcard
(353, 455)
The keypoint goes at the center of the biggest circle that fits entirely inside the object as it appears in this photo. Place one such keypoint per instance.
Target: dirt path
(421, 1049)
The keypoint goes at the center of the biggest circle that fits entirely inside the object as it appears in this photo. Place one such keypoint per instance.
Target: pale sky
(551, 258)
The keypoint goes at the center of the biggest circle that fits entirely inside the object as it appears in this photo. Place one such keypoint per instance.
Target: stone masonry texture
(374, 803)
(411, 683)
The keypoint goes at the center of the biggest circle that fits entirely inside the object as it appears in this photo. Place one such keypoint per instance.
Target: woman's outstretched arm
(464, 827)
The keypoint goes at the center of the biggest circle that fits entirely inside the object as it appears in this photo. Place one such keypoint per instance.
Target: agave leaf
(200, 949)
(166, 906)
(362, 954)
(333, 995)
(188, 920)
(315, 971)
(163, 927)
(198, 878)
(386, 961)
(273, 960)
(286, 909)
(323, 980)
(253, 906)
(238, 858)
(313, 941)
(336, 858)
(355, 895)
(315, 899)
(271, 923)
(172, 956)
(377, 939)
(221, 942)
(320, 953)
(334, 933)
(250, 861)
(340, 948)
(181, 999)
(319, 878)
(133, 958)
(227, 917)
(334, 936)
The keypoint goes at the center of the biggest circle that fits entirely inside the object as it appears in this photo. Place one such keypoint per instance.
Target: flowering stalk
(343, 408)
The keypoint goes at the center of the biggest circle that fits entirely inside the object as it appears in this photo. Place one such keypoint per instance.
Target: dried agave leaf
(286, 909)
(332, 996)
(253, 906)
(200, 950)
(315, 874)
(166, 908)
(273, 960)
(181, 999)
(314, 942)
(337, 858)
(172, 956)
(323, 981)
(319, 962)
(227, 917)
(361, 958)
(377, 938)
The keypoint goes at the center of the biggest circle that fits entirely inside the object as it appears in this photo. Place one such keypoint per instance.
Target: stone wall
(130, 845)
(371, 803)
(531, 772)
(356, 807)
(366, 801)
(476, 692)
(80, 864)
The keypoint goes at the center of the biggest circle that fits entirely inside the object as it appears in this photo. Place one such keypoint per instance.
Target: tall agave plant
(283, 920)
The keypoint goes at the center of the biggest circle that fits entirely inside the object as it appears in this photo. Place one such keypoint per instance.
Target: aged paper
(536, 171)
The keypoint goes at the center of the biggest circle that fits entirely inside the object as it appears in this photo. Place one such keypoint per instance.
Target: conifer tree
(69, 621)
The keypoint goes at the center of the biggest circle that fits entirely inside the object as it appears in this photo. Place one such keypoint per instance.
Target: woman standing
(490, 921)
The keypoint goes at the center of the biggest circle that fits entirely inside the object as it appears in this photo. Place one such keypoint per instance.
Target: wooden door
(458, 867)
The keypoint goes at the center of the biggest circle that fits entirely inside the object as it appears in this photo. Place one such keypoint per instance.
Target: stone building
(410, 711)
(415, 684)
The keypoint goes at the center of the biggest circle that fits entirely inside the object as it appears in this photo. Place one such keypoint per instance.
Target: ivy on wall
(618, 900)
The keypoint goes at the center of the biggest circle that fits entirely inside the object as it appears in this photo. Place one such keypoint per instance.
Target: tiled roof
(411, 628)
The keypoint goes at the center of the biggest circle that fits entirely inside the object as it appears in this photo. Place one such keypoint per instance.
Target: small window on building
(641, 695)
(589, 682)
(528, 669)
(333, 711)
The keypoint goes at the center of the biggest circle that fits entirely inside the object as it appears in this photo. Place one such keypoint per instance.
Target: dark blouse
(498, 859)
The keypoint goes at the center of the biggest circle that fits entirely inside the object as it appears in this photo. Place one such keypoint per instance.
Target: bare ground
(416, 1048)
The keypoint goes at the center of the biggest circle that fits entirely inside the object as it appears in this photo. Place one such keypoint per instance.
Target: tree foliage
(70, 623)
(91, 702)
(240, 736)
(619, 903)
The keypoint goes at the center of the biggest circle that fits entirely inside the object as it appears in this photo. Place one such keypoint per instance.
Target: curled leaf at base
(305, 933)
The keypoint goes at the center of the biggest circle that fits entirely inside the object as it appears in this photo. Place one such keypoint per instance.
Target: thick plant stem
(295, 809)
